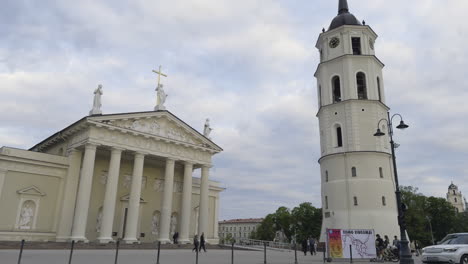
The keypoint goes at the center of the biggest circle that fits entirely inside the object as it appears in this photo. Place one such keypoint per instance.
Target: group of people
(309, 244)
(199, 245)
(383, 246)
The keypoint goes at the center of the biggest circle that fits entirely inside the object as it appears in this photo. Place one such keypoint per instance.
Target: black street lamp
(405, 252)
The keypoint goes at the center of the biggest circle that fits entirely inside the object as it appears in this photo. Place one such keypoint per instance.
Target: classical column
(166, 210)
(203, 216)
(186, 204)
(134, 201)
(216, 223)
(110, 197)
(84, 194)
(2, 179)
(69, 196)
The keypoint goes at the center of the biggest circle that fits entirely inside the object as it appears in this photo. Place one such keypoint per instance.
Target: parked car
(452, 249)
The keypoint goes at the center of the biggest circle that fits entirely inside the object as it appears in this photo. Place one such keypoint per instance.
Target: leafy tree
(266, 230)
(307, 221)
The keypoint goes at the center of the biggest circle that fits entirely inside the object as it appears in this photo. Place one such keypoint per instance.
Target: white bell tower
(358, 188)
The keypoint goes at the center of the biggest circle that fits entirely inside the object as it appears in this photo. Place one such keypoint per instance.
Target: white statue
(99, 221)
(26, 216)
(155, 223)
(207, 129)
(173, 224)
(161, 98)
(97, 101)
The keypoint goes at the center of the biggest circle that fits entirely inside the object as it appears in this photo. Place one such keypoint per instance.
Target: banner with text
(362, 242)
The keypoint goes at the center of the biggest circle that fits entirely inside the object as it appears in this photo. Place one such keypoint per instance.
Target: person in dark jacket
(175, 237)
(304, 246)
(202, 242)
(312, 246)
(195, 243)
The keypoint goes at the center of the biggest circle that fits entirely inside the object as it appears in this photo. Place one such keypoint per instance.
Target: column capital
(170, 159)
(119, 149)
(186, 162)
(206, 166)
(91, 146)
(140, 154)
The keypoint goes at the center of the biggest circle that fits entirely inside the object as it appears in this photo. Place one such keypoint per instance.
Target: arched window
(378, 89)
(326, 176)
(455, 199)
(339, 137)
(381, 172)
(361, 85)
(326, 202)
(336, 89)
(353, 172)
(384, 202)
(355, 201)
(454, 192)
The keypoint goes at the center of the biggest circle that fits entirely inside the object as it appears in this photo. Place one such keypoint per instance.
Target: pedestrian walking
(312, 246)
(379, 246)
(195, 243)
(304, 246)
(202, 242)
(386, 241)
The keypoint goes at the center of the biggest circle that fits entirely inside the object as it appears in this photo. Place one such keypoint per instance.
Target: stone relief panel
(127, 181)
(103, 177)
(178, 187)
(130, 142)
(158, 185)
(150, 126)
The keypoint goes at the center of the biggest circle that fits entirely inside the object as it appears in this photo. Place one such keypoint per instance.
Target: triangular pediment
(161, 124)
(126, 198)
(32, 190)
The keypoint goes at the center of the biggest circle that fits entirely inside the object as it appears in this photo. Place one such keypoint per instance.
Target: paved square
(149, 257)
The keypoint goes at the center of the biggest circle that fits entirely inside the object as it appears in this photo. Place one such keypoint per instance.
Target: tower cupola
(344, 17)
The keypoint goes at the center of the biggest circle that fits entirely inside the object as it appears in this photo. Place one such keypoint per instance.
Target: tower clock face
(334, 42)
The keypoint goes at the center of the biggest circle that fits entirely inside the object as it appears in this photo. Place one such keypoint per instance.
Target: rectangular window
(355, 201)
(381, 172)
(326, 202)
(339, 137)
(356, 42)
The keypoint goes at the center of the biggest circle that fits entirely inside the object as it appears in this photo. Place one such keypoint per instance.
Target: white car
(452, 249)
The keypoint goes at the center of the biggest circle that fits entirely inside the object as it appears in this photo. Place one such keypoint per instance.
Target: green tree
(266, 230)
(307, 221)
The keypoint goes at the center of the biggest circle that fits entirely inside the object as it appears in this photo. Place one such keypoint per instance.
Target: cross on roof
(159, 73)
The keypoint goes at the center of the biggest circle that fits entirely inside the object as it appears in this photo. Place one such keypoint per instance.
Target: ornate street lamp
(405, 252)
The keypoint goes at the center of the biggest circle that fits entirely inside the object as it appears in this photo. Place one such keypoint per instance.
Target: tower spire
(343, 7)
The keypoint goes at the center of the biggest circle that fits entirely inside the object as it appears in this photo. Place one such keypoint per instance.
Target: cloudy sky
(247, 65)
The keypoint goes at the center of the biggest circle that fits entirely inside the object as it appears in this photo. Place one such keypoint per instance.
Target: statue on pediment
(97, 101)
(161, 99)
(207, 129)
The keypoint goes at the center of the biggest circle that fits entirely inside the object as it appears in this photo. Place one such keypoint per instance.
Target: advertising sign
(358, 242)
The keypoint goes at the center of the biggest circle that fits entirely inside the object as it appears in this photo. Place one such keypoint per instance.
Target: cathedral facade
(105, 177)
(358, 187)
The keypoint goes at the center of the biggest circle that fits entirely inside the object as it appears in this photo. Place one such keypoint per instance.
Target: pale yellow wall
(10, 199)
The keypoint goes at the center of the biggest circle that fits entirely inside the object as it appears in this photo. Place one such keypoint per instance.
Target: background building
(238, 228)
(454, 196)
(358, 188)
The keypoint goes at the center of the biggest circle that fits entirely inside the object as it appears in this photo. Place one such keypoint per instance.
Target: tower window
(381, 172)
(326, 202)
(326, 176)
(355, 201)
(320, 95)
(361, 85)
(356, 42)
(384, 202)
(455, 199)
(378, 89)
(321, 55)
(454, 192)
(339, 137)
(336, 88)
(353, 172)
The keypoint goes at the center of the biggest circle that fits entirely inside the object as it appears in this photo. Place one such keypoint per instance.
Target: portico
(130, 177)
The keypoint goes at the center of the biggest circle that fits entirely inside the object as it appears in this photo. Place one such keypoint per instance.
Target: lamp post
(430, 228)
(405, 252)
